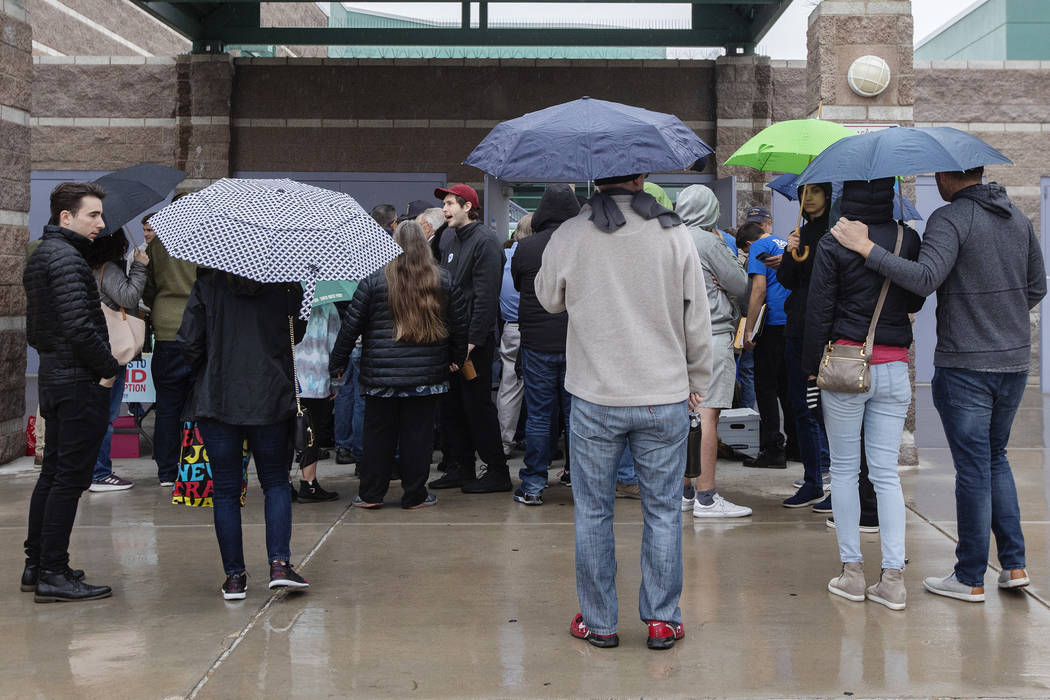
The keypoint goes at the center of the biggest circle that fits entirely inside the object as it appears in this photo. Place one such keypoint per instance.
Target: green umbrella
(331, 291)
(788, 147)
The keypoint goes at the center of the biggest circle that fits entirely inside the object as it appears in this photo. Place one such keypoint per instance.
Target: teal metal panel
(997, 30)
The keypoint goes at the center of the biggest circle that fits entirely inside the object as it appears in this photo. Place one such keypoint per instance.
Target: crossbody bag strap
(869, 342)
(295, 373)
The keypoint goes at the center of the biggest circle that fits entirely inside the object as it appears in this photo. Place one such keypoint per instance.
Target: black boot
(60, 586)
(343, 455)
(496, 480)
(295, 494)
(32, 572)
(455, 477)
(770, 458)
(311, 492)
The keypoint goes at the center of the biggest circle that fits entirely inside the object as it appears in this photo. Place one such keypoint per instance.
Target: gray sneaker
(850, 583)
(889, 591)
(1013, 578)
(953, 588)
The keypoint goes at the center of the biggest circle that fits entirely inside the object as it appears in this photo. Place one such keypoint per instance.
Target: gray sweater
(981, 256)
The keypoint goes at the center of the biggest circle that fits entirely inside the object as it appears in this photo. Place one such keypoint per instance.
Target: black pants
(869, 505)
(390, 423)
(322, 424)
(76, 418)
(771, 388)
(470, 422)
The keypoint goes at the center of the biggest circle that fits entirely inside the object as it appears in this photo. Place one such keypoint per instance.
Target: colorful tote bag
(193, 485)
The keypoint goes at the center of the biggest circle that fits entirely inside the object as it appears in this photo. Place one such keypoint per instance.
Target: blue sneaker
(430, 500)
(803, 498)
(824, 506)
(529, 499)
(359, 503)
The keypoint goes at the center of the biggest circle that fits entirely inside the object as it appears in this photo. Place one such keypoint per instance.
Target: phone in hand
(762, 256)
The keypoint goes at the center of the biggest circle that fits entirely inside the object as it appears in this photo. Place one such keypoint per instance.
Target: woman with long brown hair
(413, 328)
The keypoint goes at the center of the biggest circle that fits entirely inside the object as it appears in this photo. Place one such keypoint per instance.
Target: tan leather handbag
(846, 369)
(127, 332)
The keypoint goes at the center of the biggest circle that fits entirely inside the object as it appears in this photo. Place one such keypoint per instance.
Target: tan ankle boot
(889, 591)
(850, 583)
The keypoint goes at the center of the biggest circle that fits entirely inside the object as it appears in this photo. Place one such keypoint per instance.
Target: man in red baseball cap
(473, 256)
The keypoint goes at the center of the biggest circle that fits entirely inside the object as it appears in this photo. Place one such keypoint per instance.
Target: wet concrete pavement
(473, 598)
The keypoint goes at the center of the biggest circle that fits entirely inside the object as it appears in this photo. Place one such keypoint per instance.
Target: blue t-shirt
(730, 241)
(508, 295)
(776, 294)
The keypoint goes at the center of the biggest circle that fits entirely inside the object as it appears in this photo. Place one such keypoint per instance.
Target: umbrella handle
(800, 257)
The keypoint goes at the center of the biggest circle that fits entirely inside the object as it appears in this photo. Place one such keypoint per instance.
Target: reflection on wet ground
(474, 598)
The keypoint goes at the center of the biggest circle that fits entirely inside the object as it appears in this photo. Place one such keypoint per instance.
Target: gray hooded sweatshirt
(981, 256)
(724, 277)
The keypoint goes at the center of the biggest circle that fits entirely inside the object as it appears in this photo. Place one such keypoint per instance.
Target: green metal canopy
(213, 24)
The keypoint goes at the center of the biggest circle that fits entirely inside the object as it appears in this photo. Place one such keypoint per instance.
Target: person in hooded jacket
(413, 325)
(726, 285)
(542, 344)
(841, 304)
(237, 337)
(795, 276)
(981, 255)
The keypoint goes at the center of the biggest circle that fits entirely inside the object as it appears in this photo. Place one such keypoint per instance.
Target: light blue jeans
(881, 413)
(658, 439)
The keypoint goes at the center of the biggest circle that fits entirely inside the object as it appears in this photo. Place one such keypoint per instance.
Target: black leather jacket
(843, 292)
(395, 364)
(64, 320)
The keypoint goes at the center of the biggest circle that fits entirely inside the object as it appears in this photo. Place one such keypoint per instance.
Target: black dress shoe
(767, 459)
(454, 478)
(343, 455)
(61, 587)
(32, 572)
(495, 480)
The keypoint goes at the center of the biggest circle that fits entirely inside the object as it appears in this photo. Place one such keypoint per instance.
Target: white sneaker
(687, 503)
(721, 508)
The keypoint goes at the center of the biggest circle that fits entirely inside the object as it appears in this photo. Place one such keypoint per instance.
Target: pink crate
(125, 444)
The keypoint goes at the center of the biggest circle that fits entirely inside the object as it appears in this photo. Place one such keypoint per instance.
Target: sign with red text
(138, 381)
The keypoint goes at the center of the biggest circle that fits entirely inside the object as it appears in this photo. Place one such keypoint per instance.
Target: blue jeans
(658, 438)
(104, 463)
(977, 410)
(171, 377)
(625, 473)
(880, 412)
(350, 409)
(745, 376)
(812, 438)
(544, 378)
(271, 449)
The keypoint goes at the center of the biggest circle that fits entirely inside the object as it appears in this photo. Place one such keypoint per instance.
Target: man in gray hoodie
(980, 254)
(726, 284)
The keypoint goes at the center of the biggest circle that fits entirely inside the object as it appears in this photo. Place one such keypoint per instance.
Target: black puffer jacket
(794, 275)
(473, 256)
(394, 364)
(235, 338)
(64, 320)
(541, 331)
(843, 292)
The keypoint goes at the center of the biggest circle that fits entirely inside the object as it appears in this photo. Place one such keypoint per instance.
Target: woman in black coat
(413, 326)
(843, 294)
(237, 341)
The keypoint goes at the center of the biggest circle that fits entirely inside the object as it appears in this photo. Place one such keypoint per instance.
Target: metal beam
(338, 36)
(727, 3)
(173, 17)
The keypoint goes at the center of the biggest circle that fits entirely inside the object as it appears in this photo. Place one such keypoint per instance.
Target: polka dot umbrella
(275, 231)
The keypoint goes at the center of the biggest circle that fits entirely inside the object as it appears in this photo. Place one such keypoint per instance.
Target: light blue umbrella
(787, 185)
(586, 139)
(900, 151)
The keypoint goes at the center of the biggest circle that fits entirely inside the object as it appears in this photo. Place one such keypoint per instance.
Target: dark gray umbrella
(131, 191)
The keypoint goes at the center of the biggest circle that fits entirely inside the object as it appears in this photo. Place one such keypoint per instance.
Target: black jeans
(469, 416)
(172, 379)
(407, 422)
(76, 418)
(771, 388)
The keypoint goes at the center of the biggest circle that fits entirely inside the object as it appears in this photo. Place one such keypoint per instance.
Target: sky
(786, 40)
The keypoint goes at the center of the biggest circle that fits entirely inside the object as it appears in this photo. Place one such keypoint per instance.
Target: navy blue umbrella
(787, 185)
(586, 139)
(131, 191)
(900, 151)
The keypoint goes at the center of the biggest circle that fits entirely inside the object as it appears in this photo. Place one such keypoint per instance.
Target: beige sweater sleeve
(550, 280)
(697, 324)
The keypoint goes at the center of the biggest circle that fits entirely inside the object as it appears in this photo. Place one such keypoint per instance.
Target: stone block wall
(744, 106)
(16, 73)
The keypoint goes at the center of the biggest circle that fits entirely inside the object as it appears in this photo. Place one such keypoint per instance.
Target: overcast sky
(787, 39)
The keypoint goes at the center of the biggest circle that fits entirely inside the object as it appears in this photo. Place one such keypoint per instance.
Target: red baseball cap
(465, 191)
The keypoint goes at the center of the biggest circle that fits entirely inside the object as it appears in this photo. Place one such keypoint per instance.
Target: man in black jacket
(542, 343)
(473, 256)
(64, 322)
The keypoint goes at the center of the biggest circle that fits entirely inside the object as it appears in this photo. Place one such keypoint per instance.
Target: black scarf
(606, 214)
